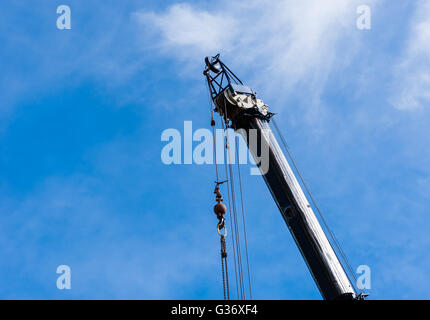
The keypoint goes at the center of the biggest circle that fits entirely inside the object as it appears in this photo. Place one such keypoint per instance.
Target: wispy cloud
(412, 74)
(291, 43)
(194, 31)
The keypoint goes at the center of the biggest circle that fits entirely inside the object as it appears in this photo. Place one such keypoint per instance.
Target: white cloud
(183, 26)
(290, 42)
(412, 74)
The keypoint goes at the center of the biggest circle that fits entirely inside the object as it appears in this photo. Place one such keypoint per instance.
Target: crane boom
(239, 105)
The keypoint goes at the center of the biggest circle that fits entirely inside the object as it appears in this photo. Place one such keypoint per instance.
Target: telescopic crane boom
(239, 105)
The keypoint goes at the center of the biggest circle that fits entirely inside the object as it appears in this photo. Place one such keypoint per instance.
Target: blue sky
(82, 112)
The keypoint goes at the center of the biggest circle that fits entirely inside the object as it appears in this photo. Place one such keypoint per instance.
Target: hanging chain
(224, 268)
